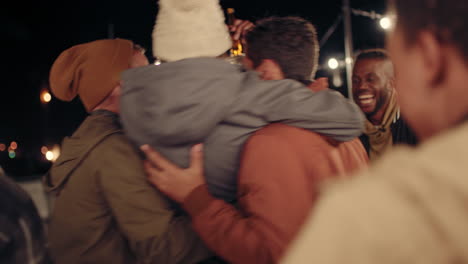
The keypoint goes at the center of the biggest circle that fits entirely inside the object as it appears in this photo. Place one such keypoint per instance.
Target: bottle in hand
(237, 49)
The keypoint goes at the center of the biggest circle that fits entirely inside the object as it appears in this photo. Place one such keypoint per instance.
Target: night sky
(35, 32)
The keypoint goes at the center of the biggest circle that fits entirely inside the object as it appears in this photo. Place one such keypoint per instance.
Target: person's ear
(434, 61)
(270, 70)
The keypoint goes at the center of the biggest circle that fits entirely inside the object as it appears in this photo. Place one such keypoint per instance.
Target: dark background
(35, 32)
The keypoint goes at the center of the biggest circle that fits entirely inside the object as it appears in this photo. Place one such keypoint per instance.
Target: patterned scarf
(380, 136)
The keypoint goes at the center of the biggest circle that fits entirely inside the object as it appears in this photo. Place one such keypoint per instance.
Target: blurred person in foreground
(411, 207)
(22, 235)
(198, 97)
(281, 166)
(374, 92)
(105, 211)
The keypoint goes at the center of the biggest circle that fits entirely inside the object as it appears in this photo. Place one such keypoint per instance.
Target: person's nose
(364, 86)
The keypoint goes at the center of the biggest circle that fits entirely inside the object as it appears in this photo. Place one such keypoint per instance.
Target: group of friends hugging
(201, 160)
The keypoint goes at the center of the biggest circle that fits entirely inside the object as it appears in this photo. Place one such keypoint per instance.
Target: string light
(337, 80)
(333, 64)
(46, 97)
(2, 147)
(49, 155)
(372, 14)
(56, 152)
(385, 23)
(44, 150)
(13, 145)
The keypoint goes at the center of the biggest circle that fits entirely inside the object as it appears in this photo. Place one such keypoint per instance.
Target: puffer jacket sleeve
(181, 103)
(144, 215)
(176, 103)
(326, 112)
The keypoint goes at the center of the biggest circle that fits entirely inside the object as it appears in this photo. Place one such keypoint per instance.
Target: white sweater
(411, 207)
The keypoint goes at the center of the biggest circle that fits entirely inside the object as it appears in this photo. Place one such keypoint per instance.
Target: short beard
(381, 102)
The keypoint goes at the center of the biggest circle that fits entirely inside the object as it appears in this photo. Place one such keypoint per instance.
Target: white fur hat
(189, 29)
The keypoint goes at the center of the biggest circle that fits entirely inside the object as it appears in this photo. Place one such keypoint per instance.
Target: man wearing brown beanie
(105, 211)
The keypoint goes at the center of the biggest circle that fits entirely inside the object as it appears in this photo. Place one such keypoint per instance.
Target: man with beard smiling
(410, 207)
(374, 92)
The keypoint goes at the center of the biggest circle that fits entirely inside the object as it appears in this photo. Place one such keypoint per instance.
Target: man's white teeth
(367, 96)
(366, 101)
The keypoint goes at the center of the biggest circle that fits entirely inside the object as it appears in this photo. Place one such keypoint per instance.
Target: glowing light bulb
(333, 64)
(49, 155)
(46, 97)
(385, 23)
(52, 154)
(13, 145)
(44, 150)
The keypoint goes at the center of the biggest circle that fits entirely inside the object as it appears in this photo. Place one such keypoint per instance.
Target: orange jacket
(279, 177)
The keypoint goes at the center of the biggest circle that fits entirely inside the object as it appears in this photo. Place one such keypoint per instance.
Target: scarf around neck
(380, 136)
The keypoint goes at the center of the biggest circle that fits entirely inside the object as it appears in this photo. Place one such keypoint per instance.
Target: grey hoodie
(176, 105)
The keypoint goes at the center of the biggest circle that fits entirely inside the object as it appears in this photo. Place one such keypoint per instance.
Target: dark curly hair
(379, 54)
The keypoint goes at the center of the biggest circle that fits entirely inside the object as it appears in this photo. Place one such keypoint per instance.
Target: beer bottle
(237, 49)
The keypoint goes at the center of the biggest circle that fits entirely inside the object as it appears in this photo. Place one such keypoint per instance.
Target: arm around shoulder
(326, 112)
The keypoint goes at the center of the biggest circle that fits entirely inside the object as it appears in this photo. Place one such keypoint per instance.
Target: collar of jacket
(96, 128)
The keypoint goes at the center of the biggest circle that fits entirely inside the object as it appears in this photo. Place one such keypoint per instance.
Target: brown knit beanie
(91, 70)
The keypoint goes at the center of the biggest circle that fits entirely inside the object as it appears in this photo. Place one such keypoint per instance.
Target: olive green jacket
(105, 211)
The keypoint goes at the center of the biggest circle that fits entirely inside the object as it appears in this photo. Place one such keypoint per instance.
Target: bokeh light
(385, 23)
(13, 145)
(49, 155)
(333, 64)
(44, 150)
(46, 97)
